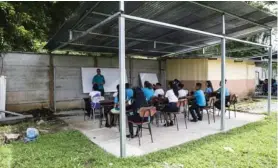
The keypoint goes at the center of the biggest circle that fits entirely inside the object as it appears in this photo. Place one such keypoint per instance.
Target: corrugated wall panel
(187, 69)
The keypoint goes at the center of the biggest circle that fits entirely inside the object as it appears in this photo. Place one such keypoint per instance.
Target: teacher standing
(100, 81)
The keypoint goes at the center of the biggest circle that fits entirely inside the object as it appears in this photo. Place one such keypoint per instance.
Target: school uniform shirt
(183, 93)
(200, 98)
(172, 98)
(129, 94)
(158, 92)
(95, 99)
(208, 90)
(227, 93)
(115, 95)
(116, 100)
(99, 79)
(148, 93)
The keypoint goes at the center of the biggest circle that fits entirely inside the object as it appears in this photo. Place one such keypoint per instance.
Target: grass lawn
(253, 145)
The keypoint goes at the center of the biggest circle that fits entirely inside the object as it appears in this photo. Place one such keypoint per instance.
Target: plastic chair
(144, 112)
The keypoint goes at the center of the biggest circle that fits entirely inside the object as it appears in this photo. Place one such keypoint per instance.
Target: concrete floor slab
(109, 138)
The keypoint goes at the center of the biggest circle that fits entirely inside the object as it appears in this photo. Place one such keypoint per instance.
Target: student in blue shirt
(209, 88)
(129, 92)
(100, 81)
(200, 101)
(217, 104)
(148, 90)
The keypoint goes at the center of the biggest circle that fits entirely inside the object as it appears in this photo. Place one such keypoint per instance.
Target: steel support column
(122, 81)
(269, 75)
(223, 71)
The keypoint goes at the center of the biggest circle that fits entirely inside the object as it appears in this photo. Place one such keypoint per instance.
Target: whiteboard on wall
(111, 75)
(151, 77)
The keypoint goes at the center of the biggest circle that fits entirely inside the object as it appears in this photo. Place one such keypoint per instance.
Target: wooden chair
(210, 106)
(232, 103)
(144, 112)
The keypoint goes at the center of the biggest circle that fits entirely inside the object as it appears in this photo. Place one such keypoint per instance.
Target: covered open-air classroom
(166, 30)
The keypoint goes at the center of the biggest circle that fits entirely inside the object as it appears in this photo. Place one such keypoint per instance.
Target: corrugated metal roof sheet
(175, 12)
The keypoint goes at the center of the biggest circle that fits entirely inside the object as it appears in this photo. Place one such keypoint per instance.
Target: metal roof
(150, 40)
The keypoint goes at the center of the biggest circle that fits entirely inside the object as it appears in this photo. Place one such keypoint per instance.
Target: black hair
(209, 84)
(158, 84)
(181, 85)
(139, 98)
(118, 90)
(98, 69)
(199, 85)
(127, 85)
(175, 88)
(95, 87)
(147, 84)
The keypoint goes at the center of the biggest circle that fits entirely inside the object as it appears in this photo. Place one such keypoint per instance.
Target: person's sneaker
(107, 125)
(171, 123)
(193, 120)
(200, 119)
(130, 136)
(166, 124)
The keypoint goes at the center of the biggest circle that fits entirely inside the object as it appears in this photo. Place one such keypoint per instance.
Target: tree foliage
(26, 26)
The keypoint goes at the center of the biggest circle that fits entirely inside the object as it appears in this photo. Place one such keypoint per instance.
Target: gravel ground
(257, 106)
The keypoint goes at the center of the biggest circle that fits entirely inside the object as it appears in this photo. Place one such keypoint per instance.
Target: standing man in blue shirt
(100, 81)
(200, 101)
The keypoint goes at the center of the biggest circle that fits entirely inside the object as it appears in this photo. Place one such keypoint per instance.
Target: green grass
(254, 146)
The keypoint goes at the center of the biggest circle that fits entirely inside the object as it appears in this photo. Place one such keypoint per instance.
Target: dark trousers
(101, 91)
(171, 107)
(217, 104)
(135, 119)
(195, 111)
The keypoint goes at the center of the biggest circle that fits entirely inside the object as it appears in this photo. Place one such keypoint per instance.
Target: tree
(26, 26)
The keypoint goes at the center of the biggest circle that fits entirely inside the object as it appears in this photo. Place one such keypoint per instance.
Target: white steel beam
(116, 48)
(269, 76)
(139, 39)
(227, 13)
(122, 81)
(172, 26)
(223, 71)
(89, 30)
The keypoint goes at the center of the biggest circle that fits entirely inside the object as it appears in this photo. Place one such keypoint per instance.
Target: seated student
(139, 100)
(199, 102)
(265, 86)
(172, 97)
(148, 90)
(209, 88)
(129, 92)
(182, 92)
(95, 97)
(273, 87)
(95, 102)
(217, 104)
(158, 90)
